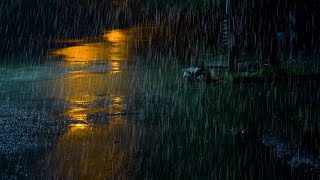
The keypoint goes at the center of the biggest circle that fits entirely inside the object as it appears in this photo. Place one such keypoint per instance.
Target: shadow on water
(124, 115)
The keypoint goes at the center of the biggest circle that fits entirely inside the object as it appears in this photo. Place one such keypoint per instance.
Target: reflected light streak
(117, 100)
(115, 47)
(75, 128)
(77, 113)
(84, 152)
(116, 36)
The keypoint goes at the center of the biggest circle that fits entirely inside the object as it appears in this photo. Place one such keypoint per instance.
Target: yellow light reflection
(117, 100)
(85, 88)
(92, 155)
(90, 53)
(82, 84)
(84, 152)
(115, 67)
(77, 113)
(115, 47)
(80, 114)
(75, 128)
(116, 36)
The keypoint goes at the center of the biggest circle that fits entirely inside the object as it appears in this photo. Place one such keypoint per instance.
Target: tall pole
(227, 7)
(228, 32)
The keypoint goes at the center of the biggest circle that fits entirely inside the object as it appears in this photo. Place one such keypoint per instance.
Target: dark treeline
(253, 23)
(270, 26)
(259, 27)
(56, 18)
(35, 22)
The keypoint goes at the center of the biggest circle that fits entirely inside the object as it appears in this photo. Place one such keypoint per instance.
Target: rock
(292, 156)
(209, 73)
(280, 149)
(192, 73)
(304, 161)
(201, 77)
(237, 131)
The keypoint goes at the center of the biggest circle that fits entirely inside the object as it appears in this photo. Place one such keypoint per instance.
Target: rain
(156, 89)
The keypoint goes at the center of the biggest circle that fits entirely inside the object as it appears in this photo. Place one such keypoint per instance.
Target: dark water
(98, 109)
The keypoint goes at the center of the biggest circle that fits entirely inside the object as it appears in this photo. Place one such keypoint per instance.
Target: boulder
(207, 74)
(193, 73)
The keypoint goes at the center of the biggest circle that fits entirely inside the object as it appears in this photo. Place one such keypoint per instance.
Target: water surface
(101, 109)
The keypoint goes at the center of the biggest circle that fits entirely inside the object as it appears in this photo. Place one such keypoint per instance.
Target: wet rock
(192, 73)
(269, 140)
(292, 155)
(201, 78)
(281, 150)
(237, 132)
(207, 74)
(305, 161)
(278, 146)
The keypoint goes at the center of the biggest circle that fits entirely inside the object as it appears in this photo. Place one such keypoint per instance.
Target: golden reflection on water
(115, 67)
(80, 114)
(77, 113)
(87, 152)
(116, 36)
(115, 46)
(82, 85)
(75, 128)
(117, 99)
(95, 83)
